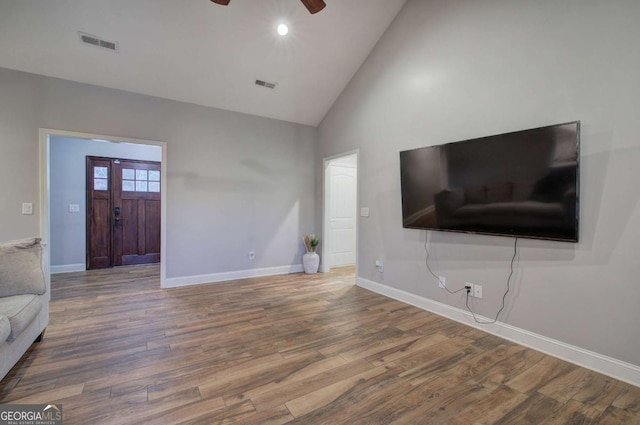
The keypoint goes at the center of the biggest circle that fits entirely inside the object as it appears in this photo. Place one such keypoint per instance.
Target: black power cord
(504, 296)
(468, 288)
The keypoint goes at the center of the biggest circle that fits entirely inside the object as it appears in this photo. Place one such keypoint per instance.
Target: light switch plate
(364, 212)
(27, 208)
(74, 208)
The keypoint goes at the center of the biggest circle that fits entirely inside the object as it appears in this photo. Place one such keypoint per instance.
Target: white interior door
(342, 213)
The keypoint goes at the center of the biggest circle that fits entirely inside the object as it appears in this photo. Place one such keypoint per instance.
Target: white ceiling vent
(96, 41)
(265, 84)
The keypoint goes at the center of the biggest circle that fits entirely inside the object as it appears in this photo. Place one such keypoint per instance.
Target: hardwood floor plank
(617, 416)
(148, 412)
(450, 403)
(90, 407)
(298, 389)
(504, 371)
(462, 371)
(27, 390)
(347, 398)
(600, 392)
(426, 363)
(320, 398)
(253, 373)
(53, 395)
(307, 373)
(275, 416)
(409, 348)
(156, 362)
(489, 409)
(418, 320)
(564, 387)
(573, 412)
(234, 414)
(409, 405)
(188, 413)
(534, 410)
(74, 369)
(296, 349)
(541, 374)
(628, 400)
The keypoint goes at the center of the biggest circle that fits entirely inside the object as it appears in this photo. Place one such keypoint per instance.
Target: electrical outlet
(477, 291)
(470, 288)
(442, 282)
(380, 266)
(252, 255)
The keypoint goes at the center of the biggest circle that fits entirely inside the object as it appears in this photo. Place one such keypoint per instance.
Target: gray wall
(68, 186)
(235, 182)
(447, 71)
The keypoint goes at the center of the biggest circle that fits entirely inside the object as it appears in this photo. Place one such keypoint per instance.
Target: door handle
(116, 213)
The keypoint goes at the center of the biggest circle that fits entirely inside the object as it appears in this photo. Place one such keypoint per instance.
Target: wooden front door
(123, 212)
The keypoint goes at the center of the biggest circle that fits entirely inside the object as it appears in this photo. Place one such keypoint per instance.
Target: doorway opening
(62, 216)
(340, 205)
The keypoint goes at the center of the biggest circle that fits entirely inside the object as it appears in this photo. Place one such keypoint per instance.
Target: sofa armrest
(448, 200)
(21, 268)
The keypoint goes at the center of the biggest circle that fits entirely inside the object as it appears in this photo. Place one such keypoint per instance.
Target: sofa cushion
(522, 190)
(20, 310)
(501, 192)
(20, 268)
(5, 328)
(530, 208)
(475, 195)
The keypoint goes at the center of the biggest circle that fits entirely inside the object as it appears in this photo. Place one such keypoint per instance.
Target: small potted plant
(310, 260)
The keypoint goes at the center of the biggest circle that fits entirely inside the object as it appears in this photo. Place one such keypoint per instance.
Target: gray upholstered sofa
(24, 300)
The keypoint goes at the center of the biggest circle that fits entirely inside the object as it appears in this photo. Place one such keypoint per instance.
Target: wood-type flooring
(294, 349)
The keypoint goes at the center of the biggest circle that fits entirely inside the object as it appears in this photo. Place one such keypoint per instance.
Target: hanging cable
(426, 262)
(504, 296)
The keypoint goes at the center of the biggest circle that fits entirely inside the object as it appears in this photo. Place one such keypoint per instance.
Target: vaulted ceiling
(199, 52)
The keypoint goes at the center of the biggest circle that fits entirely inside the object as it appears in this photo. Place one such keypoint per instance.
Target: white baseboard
(67, 268)
(609, 366)
(175, 282)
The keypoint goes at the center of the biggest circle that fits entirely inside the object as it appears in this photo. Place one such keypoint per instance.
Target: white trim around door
(45, 225)
(326, 237)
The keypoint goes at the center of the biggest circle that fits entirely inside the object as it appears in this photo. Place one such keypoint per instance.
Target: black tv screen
(523, 184)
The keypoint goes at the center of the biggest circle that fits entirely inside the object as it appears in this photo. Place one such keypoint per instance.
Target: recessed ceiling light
(283, 29)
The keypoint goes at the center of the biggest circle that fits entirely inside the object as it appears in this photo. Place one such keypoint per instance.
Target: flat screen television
(522, 184)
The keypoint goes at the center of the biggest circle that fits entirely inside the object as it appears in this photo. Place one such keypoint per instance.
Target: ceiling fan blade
(221, 2)
(314, 6)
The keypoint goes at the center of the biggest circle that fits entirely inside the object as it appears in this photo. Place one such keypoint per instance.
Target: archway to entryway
(64, 248)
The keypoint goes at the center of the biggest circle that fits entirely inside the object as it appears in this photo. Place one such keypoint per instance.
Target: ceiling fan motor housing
(313, 6)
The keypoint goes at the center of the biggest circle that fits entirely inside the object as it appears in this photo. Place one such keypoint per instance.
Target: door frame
(44, 166)
(326, 234)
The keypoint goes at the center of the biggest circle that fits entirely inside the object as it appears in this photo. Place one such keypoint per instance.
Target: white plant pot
(310, 262)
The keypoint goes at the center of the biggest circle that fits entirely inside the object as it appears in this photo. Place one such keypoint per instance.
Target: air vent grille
(108, 45)
(90, 40)
(96, 41)
(265, 84)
